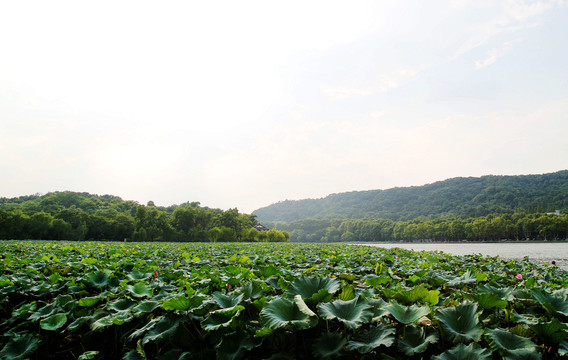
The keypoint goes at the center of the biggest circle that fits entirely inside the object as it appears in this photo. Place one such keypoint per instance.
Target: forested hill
(457, 197)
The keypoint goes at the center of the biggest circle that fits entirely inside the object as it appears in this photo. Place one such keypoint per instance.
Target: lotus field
(69, 300)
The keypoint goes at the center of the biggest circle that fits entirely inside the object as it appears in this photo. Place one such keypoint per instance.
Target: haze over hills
(460, 197)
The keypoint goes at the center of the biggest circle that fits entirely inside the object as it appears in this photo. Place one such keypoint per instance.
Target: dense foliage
(68, 300)
(518, 226)
(454, 198)
(81, 216)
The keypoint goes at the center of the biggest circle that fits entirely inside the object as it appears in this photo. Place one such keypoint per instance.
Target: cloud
(344, 93)
(495, 53)
(510, 17)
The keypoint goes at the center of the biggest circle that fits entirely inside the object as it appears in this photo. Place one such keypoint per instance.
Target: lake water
(537, 252)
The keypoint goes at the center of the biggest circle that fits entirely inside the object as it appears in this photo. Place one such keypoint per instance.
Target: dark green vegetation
(453, 198)
(518, 226)
(68, 300)
(82, 216)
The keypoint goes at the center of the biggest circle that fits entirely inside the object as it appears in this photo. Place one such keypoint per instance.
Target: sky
(247, 103)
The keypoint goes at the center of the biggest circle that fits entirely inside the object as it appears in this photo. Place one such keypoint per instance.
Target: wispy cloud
(495, 53)
(344, 93)
(511, 17)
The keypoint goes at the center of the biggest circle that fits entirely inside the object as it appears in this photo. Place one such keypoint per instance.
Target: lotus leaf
(146, 307)
(552, 332)
(282, 313)
(368, 340)
(312, 289)
(227, 301)
(139, 290)
(19, 347)
(554, 303)
(234, 346)
(90, 301)
(182, 303)
(406, 314)
(221, 318)
(505, 341)
(121, 305)
(461, 323)
(415, 340)
(353, 313)
(462, 352)
(328, 345)
(53, 322)
(98, 278)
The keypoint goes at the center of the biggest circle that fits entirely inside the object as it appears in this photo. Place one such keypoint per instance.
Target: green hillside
(456, 198)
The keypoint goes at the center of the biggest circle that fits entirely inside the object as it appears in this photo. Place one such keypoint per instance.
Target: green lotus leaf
(77, 323)
(227, 301)
(163, 329)
(133, 355)
(503, 293)
(377, 307)
(489, 300)
(98, 278)
(415, 340)
(146, 307)
(462, 352)
(372, 338)
(87, 355)
(140, 290)
(53, 322)
(522, 355)
(19, 347)
(465, 279)
(553, 303)
(182, 303)
(267, 271)
(376, 281)
(111, 319)
(136, 275)
(89, 301)
(460, 323)
(505, 341)
(328, 345)
(416, 294)
(264, 332)
(252, 290)
(221, 318)
(313, 289)
(121, 304)
(176, 354)
(563, 348)
(406, 314)
(552, 332)
(353, 313)
(234, 346)
(43, 312)
(281, 313)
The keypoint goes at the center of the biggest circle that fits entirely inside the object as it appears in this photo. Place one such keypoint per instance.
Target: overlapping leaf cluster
(274, 301)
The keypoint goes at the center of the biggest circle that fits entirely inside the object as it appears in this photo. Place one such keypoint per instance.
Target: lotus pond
(69, 300)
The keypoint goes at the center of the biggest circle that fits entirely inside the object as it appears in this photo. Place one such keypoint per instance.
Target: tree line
(518, 226)
(470, 197)
(82, 216)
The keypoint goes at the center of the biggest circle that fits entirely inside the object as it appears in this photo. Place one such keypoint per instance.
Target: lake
(537, 252)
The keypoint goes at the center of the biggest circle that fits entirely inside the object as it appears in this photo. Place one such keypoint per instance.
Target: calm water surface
(537, 252)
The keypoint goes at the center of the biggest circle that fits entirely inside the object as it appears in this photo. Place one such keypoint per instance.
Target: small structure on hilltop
(261, 227)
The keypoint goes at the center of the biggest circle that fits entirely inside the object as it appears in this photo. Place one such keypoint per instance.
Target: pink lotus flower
(155, 274)
(228, 286)
(519, 276)
(397, 259)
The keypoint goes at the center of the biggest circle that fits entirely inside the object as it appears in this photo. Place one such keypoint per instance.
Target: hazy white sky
(246, 103)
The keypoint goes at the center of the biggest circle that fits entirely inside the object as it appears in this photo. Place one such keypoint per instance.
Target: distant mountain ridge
(456, 197)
